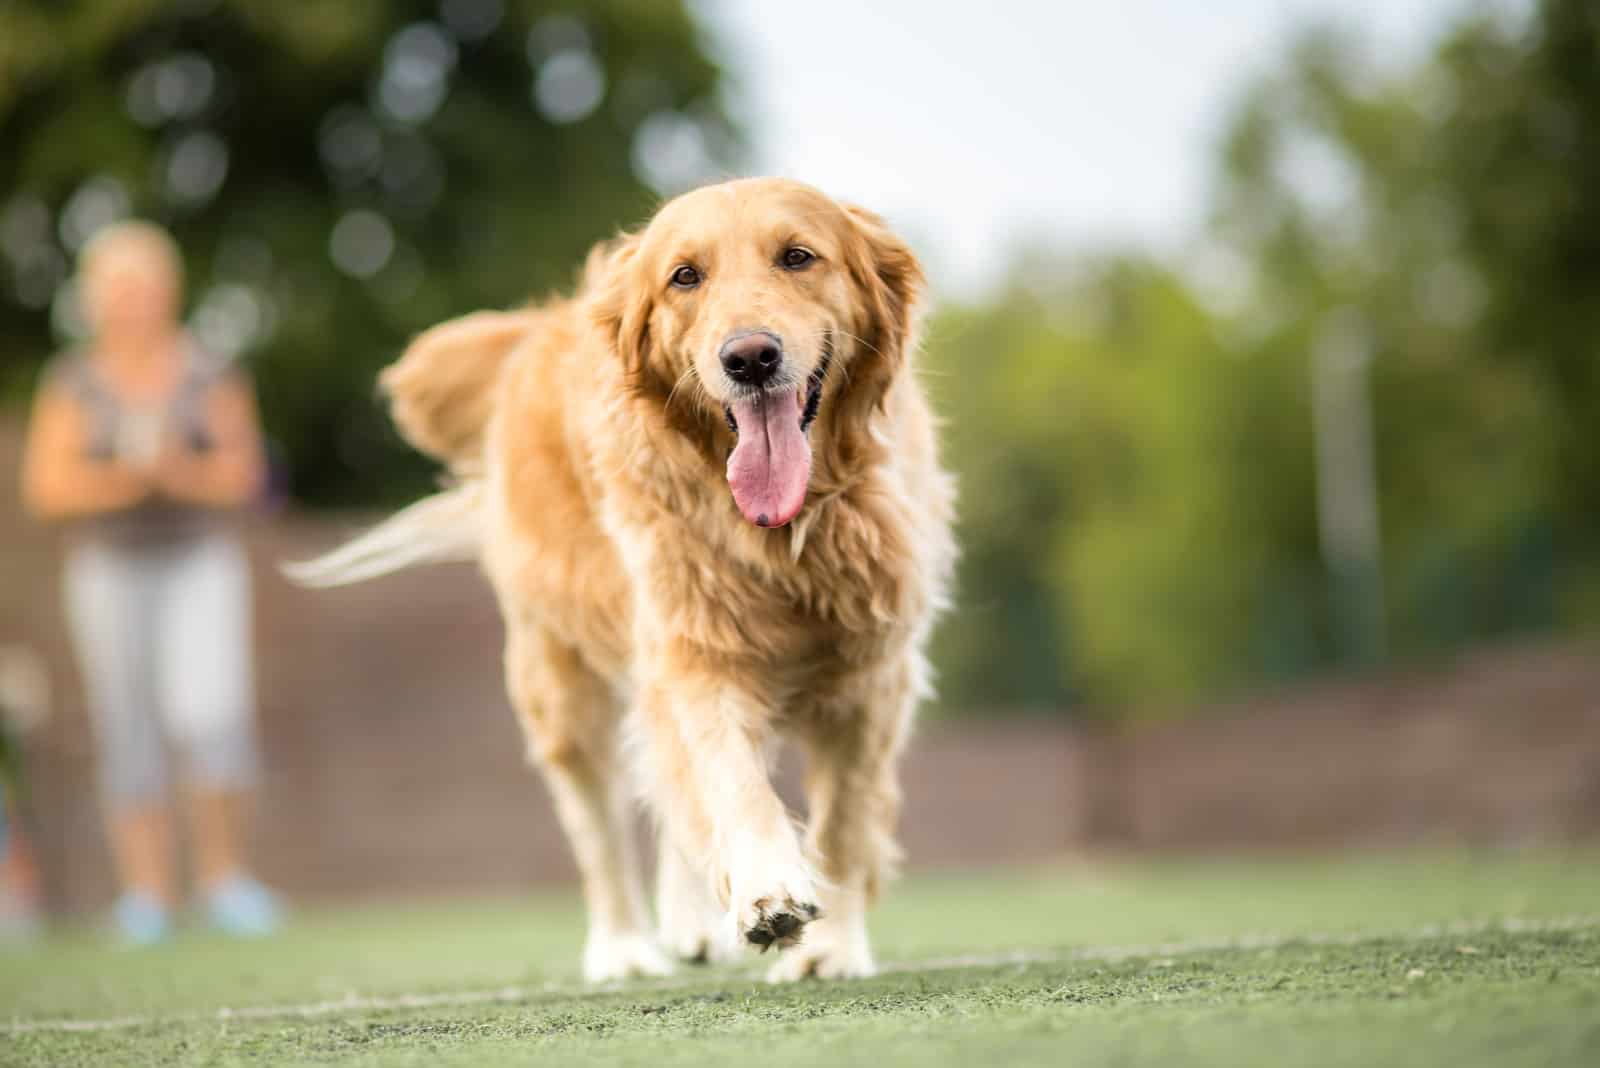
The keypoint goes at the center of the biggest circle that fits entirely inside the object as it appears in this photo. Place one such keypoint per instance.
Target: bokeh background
(1267, 334)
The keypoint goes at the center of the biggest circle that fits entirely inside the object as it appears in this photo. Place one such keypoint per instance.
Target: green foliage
(450, 154)
(1520, 157)
(1139, 466)
(1127, 479)
(1359, 198)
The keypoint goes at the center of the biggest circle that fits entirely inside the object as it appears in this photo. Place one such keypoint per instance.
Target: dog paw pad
(779, 925)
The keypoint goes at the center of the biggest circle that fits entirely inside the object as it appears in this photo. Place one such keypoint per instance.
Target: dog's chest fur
(850, 588)
(841, 591)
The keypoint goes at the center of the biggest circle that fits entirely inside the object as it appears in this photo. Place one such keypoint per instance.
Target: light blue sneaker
(242, 907)
(141, 920)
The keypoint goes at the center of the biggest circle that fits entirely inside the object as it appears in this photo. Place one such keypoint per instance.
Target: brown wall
(394, 765)
(1499, 748)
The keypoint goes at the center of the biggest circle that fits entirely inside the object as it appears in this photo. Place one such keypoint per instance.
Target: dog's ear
(889, 284)
(621, 305)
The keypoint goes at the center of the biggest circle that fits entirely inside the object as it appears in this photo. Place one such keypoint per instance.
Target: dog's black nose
(752, 358)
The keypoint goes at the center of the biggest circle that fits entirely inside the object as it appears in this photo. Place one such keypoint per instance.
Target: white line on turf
(515, 994)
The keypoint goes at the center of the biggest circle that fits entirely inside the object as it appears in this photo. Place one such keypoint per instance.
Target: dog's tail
(443, 528)
(441, 394)
(442, 391)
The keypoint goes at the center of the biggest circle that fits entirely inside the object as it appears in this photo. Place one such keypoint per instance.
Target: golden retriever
(706, 491)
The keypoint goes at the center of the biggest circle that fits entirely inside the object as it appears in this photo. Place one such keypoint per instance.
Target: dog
(706, 491)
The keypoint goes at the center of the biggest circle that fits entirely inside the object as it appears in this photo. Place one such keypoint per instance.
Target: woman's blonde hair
(133, 235)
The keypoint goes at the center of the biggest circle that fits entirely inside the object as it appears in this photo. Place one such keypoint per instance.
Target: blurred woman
(141, 444)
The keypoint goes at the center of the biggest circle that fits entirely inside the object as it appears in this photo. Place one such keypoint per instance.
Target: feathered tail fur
(442, 528)
(441, 394)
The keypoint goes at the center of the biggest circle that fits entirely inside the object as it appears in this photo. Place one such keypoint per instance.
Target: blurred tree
(1139, 476)
(1519, 151)
(1127, 480)
(340, 176)
(1364, 203)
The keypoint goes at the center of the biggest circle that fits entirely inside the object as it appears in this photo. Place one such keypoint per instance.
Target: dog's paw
(776, 922)
(773, 895)
(690, 919)
(826, 953)
(610, 957)
(697, 945)
(777, 918)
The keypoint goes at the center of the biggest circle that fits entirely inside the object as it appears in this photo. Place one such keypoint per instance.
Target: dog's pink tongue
(771, 465)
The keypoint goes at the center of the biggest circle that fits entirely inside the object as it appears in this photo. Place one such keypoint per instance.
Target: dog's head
(773, 309)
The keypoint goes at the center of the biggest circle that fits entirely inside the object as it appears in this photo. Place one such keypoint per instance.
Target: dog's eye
(797, 258)
(686, 277)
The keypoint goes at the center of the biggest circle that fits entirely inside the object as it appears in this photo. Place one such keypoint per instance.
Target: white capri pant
(163, 639)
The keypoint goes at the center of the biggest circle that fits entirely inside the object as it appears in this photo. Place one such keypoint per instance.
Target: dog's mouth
(771, 465)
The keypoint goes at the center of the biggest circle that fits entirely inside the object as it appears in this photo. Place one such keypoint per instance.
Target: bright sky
(979, 125)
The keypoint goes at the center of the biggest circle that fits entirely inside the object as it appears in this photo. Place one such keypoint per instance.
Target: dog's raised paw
(770, 924)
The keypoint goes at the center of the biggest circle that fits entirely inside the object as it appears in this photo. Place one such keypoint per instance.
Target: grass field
(1427, 960)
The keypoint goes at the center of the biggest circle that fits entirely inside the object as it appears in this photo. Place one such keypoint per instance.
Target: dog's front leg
(703, 751)
(853, 792)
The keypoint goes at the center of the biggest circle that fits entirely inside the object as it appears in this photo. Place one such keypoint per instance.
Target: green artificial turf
(1430, 959)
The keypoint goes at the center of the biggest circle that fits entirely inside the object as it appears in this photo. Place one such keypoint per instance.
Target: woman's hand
(229, 473)
(180, 473)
